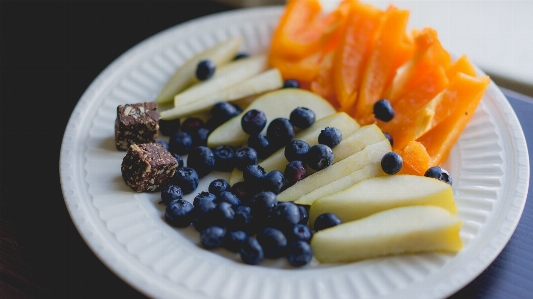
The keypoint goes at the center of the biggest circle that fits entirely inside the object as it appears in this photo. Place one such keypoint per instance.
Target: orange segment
(415, 158)
(429, 54)
(380, 63)
(323, 85)
(355, 46)
(304, 29)
(462, 89)
(440, 140)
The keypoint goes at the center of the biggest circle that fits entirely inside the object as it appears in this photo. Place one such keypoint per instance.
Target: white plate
(128, 233)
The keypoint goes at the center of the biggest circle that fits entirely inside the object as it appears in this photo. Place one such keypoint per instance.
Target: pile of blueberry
(256, 227)
(246, 217)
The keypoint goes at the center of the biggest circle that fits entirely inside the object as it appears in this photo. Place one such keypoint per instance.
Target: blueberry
(233, 240)
(263, 203)
(179, 213)
(330, 136)
(170, 192)
(295, 171)
(273, 242)
(203, 210)
(291, 83)
(274, 181)
(389, 137)
(253, 175)
(202, 160)
(261, 145)
(302, 117)
(299, 232)
(391, 163)
(179, 159)
(203, 196)
(244, 157)
(242, 191)
(251, 252)
(205, 69)
(439, 173)
(218, 186)
(199, 137)
(383, 110)
(203, 213)
(284, 216)
(224, 157)
(223, 214)
(191, 125)
(319, 157)
(237, 107)
(299, 254)
(280, 132)
(227, 196)
(304, 214)
(296, 150)
(213, 123)
(164, 144)
(243, 219)
(224, 111)
(241, 56)
(253, 121)
(326, 220)
(186, 178)
(180, 143)
(169, 127)
(212, 237)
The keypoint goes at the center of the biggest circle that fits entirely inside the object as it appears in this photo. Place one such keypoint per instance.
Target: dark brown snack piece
(148, 166)
(136, 124)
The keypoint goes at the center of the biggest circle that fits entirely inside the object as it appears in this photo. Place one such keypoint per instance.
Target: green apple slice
(234, 73)
(277, 161)
(384, 193)
(266, 81)
(274, 104)
(184, 76)
(402, 230)
(371, 154)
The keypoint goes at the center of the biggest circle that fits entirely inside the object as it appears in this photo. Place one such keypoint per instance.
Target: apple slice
(266, 81)
(274, 104)
(184, 76)
(384, 193)
(369, 171)
(398, 231)
(355, 142)
(372, 153)
(277, 161)
(234, 73)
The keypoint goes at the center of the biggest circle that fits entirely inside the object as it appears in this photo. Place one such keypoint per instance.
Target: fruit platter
(351, 155)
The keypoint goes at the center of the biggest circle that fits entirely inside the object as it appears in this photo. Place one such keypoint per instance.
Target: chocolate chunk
(148, 166)
(136, 124)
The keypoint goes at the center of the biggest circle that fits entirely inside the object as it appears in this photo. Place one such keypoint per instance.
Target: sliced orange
(415, 158)
(355, 46)
(380, 64)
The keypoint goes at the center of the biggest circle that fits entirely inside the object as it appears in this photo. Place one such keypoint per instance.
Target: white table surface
(496, 35)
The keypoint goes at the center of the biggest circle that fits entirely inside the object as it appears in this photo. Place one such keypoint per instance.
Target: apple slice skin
(274, 104)
(277, 161)
(382, 193)
(184, 76)
(402, 230)
(370, 154)
(266, 81)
